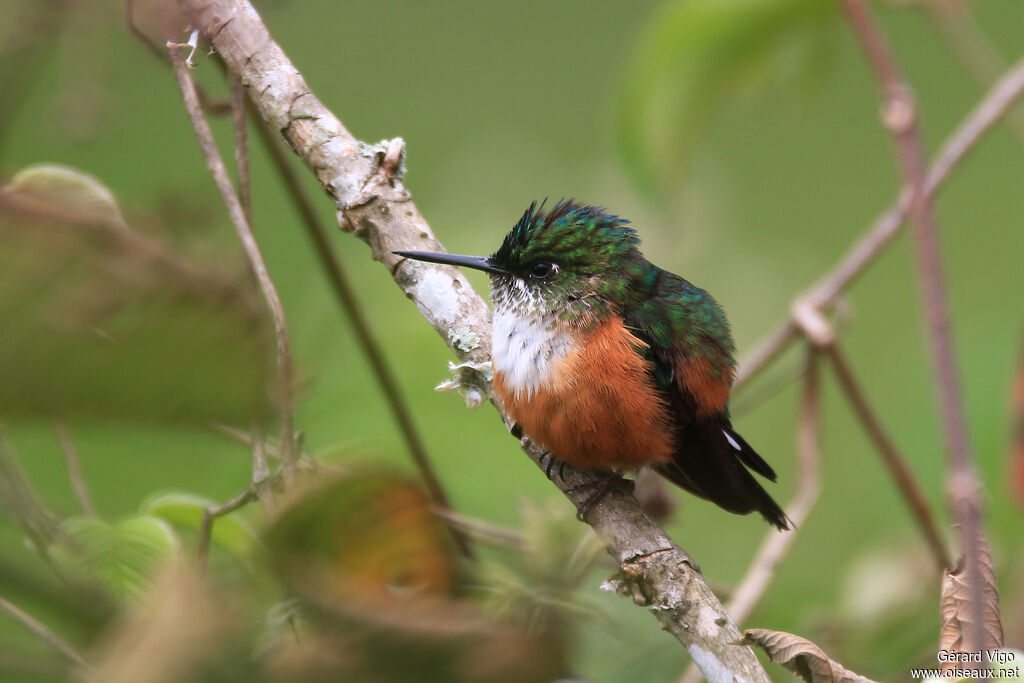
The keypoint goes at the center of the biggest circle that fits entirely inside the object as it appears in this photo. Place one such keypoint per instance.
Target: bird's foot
(548, 461)
(609, 480)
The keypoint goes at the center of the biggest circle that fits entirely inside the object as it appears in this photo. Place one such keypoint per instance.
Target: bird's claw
(608, 481)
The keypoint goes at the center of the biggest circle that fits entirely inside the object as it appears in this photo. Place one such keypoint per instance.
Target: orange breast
(597, 408)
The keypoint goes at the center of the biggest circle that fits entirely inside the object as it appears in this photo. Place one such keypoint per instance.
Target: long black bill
(477, 262)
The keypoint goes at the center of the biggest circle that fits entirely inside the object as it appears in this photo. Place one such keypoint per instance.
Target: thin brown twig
(346, 296)
(74, 467)
(821, 335)
(252, 250)
(764, 352)
(16, 495)
(747, 594)
(44, 633)
(247, 438)
(18, 665)
(900, 118)
(210, 515)
(151, 45)
(482, 530)
(893, 459)
(759, 394)
(260, 468)
(258, 489)
(992, 107)
(959, 28)
(239, 122)
(997, 101)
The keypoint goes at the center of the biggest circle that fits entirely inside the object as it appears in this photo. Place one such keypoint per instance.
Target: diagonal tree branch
(372, 202)
(900, 117)
(346, 295)
(289, 455)
(894, 461)
(992, 107)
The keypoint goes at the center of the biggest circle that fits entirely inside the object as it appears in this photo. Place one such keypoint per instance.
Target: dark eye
(543, 269)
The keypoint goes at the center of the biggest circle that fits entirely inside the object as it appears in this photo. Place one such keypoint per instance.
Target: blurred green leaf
(695, 57)
(119, 558)
(185, 510)
(67, 193)
(102, 320)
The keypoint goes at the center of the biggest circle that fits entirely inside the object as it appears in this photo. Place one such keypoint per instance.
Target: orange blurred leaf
(367, 535)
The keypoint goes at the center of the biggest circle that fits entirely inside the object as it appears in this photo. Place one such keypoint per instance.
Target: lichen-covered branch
(365, 183)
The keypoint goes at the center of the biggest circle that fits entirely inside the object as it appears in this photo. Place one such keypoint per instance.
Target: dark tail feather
(749, 456)
(709, 462)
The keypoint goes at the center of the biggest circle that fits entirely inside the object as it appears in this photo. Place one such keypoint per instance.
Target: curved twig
(215, 163)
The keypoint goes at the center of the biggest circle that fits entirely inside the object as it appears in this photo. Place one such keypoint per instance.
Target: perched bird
(612, 363)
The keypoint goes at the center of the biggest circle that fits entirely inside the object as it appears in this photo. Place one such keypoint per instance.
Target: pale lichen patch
(713, 668)
(464, 338)
(434, 294)
(470, 379)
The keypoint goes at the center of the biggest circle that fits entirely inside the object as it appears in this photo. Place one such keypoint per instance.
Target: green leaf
(66, 192)
(696, 57)
(101, 320)
(185, 510)
(118, 559)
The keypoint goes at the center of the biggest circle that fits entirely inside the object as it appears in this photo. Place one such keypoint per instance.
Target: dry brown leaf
(801, 656)
(955, 606)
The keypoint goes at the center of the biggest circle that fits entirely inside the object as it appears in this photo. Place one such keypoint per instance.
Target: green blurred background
(504, 103)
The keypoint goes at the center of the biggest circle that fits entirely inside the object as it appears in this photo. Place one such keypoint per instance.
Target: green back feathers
(677, 315)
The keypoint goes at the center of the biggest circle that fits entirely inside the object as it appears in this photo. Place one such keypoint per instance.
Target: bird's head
(572, 259)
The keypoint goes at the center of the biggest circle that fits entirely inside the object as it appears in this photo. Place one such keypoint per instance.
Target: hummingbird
(612, 363)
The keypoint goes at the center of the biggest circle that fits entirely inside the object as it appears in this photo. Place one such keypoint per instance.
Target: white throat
(527, 349)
